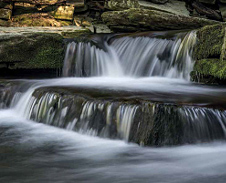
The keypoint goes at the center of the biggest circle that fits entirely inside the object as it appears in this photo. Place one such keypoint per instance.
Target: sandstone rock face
(143, 19)
(121, 4)
(28, 20)
(64, 13)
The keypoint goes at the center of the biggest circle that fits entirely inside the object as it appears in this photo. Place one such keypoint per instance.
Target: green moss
(33, 51)
(211, 67)
(210, 41)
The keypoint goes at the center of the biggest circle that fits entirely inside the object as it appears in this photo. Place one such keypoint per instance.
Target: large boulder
(142, 19)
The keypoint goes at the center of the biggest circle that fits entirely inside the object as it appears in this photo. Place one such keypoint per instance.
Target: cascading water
(133, 88)
(124, 65)
(132, 57)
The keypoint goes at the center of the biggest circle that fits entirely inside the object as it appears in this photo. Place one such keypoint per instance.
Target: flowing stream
(124, 111)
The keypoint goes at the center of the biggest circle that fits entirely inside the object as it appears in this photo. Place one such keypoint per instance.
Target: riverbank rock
(35, 48)
(143, 19)
(210, 53)
(31, 51)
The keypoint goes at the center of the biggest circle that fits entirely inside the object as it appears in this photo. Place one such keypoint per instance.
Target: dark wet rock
(37, 50)
(208, 12)
(207, 1)
(159, 1)
(222, 8)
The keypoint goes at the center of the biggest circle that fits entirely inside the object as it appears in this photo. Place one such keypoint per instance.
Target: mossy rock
(210, 42)
(144, 19)
(211, 67)
(36, 19)
(32, 51)
(210, 53)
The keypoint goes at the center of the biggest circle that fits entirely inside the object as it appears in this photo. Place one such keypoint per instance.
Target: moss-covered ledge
(210, 54)
(29, 48)
(32, 51)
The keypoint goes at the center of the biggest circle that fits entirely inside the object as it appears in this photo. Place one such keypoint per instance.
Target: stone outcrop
(210, 53)
(41, 48)
(143, 19)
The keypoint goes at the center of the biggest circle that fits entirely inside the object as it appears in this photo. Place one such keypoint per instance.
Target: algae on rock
(32, 51)
(210, 52)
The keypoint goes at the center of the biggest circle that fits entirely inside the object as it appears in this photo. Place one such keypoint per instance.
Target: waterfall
(135, 89)
(132, 57)
(143, 122)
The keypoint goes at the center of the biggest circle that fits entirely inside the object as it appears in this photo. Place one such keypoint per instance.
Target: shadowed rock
(143, 19)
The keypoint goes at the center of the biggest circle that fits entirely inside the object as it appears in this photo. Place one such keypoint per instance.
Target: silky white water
(132, 57)
(115, 91)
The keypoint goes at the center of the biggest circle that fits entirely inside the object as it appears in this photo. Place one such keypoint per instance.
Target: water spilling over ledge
(132, 57)
(143, 122)
(129, 87)
(124, 91)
